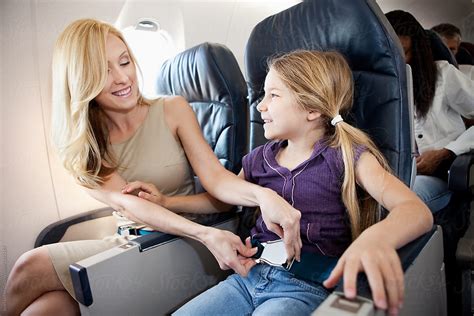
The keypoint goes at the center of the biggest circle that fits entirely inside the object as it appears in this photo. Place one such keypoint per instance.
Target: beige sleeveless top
(153, 155)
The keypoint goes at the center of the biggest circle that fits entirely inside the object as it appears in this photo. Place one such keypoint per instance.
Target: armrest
(460, 172)
(422, 263)
(460, 179)
(54, 232)
(407, 254)
(151, 275)
(149, 241)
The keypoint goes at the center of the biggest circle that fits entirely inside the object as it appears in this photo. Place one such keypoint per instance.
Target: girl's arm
(374, 251)
(279, 216)
(225, 246)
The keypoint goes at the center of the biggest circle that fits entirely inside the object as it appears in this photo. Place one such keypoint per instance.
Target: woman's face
(407, 46)
(120, 93)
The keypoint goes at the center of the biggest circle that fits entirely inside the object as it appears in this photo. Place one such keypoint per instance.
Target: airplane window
(151, 46)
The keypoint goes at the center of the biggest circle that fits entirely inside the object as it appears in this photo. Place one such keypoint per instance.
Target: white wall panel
(28, 202)
(3, 246)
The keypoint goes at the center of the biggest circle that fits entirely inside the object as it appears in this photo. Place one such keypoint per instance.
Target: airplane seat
(454, 219)
(155, 273)
(208, 76)
(382, 107)
(439, 49)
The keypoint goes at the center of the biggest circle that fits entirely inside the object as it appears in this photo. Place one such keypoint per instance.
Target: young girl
(335, 176)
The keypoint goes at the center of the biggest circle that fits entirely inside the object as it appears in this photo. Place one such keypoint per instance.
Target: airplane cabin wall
(35, 189)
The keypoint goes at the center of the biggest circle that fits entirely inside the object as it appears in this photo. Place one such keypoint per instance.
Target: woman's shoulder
(175, 105)
(449, 75)
(444, 67)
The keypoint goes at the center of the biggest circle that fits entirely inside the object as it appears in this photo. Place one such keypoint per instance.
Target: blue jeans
(433, 191)
(267, 290)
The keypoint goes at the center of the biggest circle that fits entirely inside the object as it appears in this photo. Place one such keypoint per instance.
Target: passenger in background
(451, 36)
(334, 174)
(106, 134)
(442, 94)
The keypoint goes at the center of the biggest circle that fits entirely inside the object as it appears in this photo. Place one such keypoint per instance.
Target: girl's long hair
(79, 131)
(422, 63)
(322, 82)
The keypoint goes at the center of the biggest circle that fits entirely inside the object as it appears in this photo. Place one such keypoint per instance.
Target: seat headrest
(355, 28)
(209, 78)
(439, 49)
(204, 72)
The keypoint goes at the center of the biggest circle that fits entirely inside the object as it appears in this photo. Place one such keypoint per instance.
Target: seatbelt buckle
(274, 254)
(131, 229)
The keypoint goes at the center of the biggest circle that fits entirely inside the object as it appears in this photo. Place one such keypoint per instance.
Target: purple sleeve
(358, 150)
(248, 163)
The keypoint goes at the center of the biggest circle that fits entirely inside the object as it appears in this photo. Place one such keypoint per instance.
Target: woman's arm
(279, 216)
(226, 247)
(202, 203)
(459, 94)
(374, 251)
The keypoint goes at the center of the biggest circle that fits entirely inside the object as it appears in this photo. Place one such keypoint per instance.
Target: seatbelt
(313, 266)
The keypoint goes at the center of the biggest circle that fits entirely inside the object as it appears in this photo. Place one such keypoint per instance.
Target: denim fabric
(433, 191)
(267, 290)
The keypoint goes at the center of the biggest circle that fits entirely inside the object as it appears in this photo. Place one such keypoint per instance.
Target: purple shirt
(313, 188)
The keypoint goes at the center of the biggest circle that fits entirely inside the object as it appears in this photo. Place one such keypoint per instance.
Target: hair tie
(336, 119)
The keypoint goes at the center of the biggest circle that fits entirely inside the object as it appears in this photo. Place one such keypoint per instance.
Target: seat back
(209, 77)
(439, 49)
(358, 30)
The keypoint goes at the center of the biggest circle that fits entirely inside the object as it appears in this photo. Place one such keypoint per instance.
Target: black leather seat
(209, 77)
(360, 31)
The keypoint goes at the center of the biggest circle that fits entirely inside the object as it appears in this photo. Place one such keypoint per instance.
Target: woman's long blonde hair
(79, 132)
(322, 82)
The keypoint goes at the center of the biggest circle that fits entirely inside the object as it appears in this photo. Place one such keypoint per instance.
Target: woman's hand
(282, 219)
(147, 191)
(382, 266)
(229, 250)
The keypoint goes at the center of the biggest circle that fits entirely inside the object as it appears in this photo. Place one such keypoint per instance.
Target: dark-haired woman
(442, 96)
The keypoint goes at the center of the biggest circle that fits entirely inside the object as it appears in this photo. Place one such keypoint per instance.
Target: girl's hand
(229, 250)
(147, 191)
(382, 266)
(282, 219)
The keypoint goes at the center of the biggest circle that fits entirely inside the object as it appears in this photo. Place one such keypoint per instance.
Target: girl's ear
(313, 115)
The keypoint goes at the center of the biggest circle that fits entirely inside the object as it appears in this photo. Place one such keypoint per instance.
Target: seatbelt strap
(313, 266)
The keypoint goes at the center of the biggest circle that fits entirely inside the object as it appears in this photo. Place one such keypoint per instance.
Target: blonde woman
(106, 134)
(326, 168)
